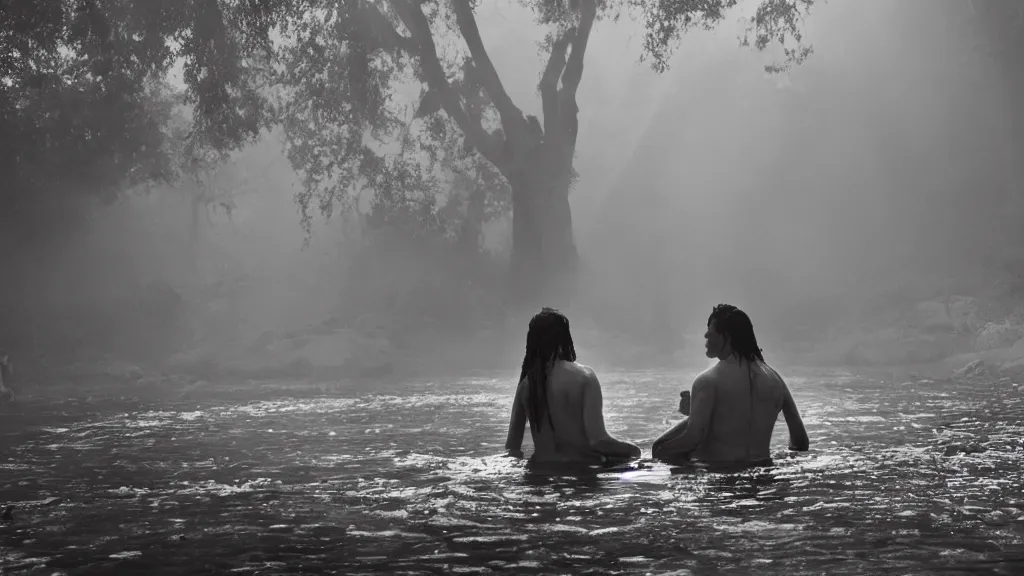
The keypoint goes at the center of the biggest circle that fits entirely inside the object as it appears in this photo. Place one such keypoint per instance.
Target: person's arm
(516, 424)
(670, 435)
(798, 439)
(593, 423)
(702, 405)
(678, 429)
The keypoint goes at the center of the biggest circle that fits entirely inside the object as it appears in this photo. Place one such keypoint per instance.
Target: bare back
(748, 400)
(574, 404)
(732, 416)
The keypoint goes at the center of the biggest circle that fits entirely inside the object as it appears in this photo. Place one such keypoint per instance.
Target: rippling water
(912, 478)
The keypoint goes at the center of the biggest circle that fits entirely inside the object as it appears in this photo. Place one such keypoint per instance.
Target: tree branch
(574, 66)
(511, 116)
(414, 19)
(549, 81)
(380, 28)
(561, 112)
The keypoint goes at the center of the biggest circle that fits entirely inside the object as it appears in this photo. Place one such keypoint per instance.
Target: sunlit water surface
(911, 478)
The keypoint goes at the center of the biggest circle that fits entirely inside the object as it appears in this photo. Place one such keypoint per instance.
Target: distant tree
(998, 25)
(85, 108)
(80, 86)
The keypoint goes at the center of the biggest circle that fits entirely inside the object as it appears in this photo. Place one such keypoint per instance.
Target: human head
(547, 339)
(730, 332)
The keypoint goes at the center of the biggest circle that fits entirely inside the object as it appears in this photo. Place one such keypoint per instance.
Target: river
(919, 477)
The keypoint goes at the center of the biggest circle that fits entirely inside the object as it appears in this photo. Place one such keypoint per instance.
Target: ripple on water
(900, 480)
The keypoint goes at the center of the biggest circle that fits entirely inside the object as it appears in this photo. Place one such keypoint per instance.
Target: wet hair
(548, 339)
(735, 325)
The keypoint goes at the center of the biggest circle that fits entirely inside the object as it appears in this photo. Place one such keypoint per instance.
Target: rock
(191, 358)
(334, 322)
(263, 340)
(301, 368)
(891, 347)
(372, 325)
(1014, 358)
(319, 351)
(973, 369)
(346, 348)
(998, 335)
(967, 449)
(953, 314)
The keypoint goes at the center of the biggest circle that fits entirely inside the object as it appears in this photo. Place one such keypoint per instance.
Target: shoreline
(174, 386)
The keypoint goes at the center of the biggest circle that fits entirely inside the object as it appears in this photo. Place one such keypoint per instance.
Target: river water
(903, 477)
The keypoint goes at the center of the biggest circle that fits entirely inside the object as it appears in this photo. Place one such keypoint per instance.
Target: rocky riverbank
(940, 336)
(936, 338)
(945, 334)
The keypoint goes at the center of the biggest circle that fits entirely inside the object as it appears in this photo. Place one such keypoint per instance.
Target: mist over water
(875, 164)
(882, 162)
(200, 379)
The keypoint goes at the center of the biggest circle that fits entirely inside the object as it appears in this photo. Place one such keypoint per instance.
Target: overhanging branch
(380, 28)
(549, 81)
(414, 19)
(511, 116)
(564, 130)
(574, 65)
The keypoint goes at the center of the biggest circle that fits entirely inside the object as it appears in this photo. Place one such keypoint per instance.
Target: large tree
(81, 75)
(345, 59)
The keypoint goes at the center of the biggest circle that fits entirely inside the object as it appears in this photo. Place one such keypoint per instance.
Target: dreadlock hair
(735, 325)
(548, 339)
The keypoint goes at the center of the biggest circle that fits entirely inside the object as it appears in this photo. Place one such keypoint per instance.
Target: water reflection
(900, 479)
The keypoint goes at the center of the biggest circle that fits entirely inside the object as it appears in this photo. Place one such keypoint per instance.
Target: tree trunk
(468, 240)
(536, 160)
(1002, 25)
(544, 257)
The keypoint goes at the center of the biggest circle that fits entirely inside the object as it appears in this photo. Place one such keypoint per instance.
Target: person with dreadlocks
(735, 403)
(562, 401)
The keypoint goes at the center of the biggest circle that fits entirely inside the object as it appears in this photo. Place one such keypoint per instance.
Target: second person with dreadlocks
(562, 401)
(735, 403)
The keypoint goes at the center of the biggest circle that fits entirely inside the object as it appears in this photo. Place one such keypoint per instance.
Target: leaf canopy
(87, 87)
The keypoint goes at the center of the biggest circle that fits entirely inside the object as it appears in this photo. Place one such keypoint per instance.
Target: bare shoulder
(712, 374)
(772, 373)
(583, 371)
(706, 378)
(579, 373)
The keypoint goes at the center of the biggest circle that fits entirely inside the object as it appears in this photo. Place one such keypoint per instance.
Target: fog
(878, 167)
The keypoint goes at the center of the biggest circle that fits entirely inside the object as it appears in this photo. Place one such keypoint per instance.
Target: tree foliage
(999, 25)
(85, 106)
(86, 102)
